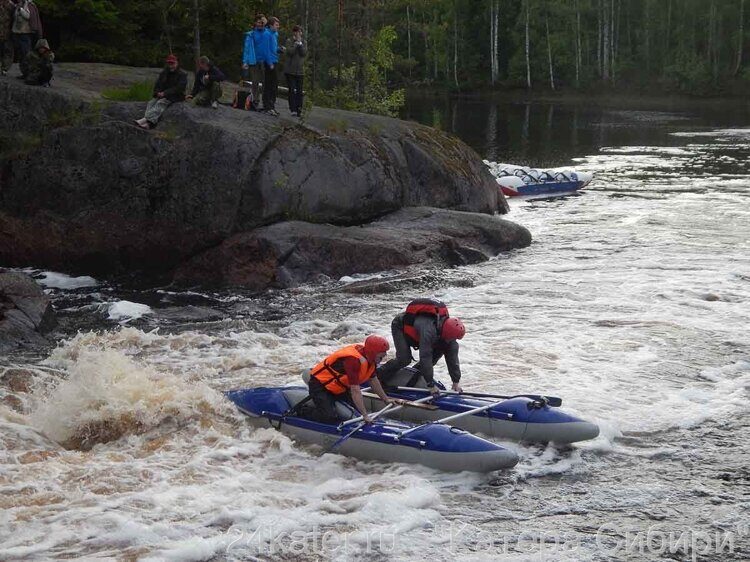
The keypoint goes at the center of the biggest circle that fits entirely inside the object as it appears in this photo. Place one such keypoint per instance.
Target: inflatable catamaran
(532, 418)
(518, 181)
(437, 445)
(428, 430)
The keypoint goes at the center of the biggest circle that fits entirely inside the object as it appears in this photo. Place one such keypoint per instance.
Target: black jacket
(173, 84)
(432, 347)
(214, 74)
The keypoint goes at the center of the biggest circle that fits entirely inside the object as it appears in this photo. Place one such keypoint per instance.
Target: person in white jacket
(27, 30)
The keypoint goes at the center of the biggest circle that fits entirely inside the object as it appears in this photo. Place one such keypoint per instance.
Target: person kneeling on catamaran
(339, 376)
(426, 326)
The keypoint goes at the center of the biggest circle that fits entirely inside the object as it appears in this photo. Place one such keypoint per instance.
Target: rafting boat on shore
(520, 418)
(520, 181)
(436, 445)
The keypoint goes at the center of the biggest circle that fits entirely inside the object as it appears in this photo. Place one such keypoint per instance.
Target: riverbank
(630, 306)
(117, 199)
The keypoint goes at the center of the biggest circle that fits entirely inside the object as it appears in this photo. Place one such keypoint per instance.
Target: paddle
(388, 407)
(549, 400)
(406, 403)
(360, 426)
(453, 417)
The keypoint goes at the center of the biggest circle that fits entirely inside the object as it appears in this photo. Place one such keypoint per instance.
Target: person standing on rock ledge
(271, 52)
(426, 326)
(27, 30)
(294, 70)
(253, 57)
(169, 88)
(7, 12)
(207, 85)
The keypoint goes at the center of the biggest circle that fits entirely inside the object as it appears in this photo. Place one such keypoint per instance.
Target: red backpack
(418, 307)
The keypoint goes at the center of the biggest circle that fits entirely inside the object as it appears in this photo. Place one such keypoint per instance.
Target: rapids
(632, 304)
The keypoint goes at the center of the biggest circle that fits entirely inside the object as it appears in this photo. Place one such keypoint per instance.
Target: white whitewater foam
(125, 311)
(109, 388)
(733, 134)
(54, 280)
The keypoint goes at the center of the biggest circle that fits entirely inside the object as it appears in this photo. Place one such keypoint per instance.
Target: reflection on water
(550, 133)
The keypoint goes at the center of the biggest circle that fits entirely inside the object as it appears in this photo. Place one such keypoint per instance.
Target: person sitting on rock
(38, 64)
(339, 376)
(207, 85)
(426, 326)
(169, 88)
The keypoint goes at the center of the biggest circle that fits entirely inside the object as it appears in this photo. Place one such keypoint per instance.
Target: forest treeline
(360, 51)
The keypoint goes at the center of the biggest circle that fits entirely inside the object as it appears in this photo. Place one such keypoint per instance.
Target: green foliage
(140, 91)
(360, 56)
(90, 114)
(18, 145)
(337, 126)
(362, 86)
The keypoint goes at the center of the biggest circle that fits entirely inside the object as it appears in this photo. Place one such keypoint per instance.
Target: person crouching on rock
(38, 64)
(169, 88)
(339, 376)
(426, 326)
(207, 86)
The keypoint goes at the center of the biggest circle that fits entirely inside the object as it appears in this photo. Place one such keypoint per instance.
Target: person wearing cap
(207, 85)
(38, 64)
(426, 326)
(169, 88)
(340, 375)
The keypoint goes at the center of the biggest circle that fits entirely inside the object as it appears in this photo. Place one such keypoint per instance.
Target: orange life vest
(331, 373)
(431, 307)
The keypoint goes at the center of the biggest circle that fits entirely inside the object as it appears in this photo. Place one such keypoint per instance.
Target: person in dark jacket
(7, 13)
(207, 85)
(294, 70)
(434, 338)
(39, 64)
(27, 30)
(272, 50)
(169, 88)
(254, 56)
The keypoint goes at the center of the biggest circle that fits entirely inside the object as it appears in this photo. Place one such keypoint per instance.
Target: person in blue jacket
(254, 57)
(271, 66)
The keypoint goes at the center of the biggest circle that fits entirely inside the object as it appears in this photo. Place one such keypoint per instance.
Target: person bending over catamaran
(339, 376)
(426, 326)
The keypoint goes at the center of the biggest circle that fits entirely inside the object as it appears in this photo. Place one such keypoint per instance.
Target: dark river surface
(632, 304)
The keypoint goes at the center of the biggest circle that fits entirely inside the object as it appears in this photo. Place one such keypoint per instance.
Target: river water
(631, 305)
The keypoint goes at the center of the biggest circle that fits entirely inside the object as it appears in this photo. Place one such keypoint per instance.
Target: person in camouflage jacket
(39, 64)
(7, 11)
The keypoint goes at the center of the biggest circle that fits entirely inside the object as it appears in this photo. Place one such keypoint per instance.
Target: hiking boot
(215, 105)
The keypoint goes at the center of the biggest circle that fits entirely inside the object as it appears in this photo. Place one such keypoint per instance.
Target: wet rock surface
(25, 312)
(291, 253)
(114, 198)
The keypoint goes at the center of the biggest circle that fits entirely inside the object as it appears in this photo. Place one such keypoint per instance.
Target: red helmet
(453, 329)
(375, 345)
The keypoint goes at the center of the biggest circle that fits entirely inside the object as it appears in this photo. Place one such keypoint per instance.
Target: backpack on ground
(243, 97)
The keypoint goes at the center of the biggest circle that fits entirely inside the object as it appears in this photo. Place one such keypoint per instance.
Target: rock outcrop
(25, 312)
(291, 253)
(84, 190)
